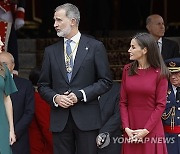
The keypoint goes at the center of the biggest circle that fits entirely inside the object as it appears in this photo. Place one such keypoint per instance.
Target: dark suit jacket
(109, 104)
(23, 110)
(90, 73)
(170, 49)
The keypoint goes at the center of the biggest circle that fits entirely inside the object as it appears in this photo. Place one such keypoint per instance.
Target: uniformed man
(171, 115)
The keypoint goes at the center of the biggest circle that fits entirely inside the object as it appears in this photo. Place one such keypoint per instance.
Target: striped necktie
(69, 61)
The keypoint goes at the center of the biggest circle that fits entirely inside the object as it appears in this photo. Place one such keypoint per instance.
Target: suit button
(178, 108)
(178, 117)
(178, 135)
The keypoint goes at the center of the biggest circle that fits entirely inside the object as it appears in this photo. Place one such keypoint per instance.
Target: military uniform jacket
(171, 117)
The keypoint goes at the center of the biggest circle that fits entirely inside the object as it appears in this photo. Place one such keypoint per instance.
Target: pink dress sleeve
(123, 101)
(161, 92)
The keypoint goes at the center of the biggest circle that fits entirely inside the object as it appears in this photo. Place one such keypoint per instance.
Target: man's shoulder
(90, 38)
(22, 80)
(55, 43)
(169, 41)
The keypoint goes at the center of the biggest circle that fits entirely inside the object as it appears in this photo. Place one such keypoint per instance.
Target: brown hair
(154, 57)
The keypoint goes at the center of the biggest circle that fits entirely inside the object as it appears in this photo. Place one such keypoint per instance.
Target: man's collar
(160, 40)
(75, 38)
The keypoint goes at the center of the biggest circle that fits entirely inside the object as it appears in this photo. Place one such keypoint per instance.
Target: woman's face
(1, 45)
(135, 51)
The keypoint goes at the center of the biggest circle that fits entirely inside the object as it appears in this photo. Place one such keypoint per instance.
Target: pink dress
(143, 100)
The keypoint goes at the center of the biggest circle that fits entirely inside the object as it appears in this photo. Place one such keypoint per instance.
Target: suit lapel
(164, 48)
(59, 56)
(82, 50)
(15, 79)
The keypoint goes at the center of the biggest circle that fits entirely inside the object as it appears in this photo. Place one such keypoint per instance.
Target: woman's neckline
(146, 68)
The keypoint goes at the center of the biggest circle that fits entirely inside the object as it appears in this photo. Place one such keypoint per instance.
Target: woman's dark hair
(154, 57)
(34, 75)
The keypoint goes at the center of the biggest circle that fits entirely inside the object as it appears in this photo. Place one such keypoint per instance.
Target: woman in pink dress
(143, 98)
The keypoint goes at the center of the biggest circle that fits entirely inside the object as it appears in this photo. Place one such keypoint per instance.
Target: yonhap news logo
(157, 140)
(104, 139)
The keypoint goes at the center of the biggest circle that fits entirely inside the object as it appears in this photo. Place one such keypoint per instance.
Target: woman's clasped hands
(136, 136)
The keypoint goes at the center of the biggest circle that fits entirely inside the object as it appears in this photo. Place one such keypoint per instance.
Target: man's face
(62, 23)
(156, 26)
(7, 61)
(175, 79)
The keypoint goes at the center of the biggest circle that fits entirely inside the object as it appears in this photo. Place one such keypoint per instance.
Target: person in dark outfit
(155, 26)
(111, 124)
(75, 71)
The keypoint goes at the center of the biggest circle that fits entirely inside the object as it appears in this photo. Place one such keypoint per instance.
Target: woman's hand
(140, 133)
(136, 135)
(129, 132)
(12, 137)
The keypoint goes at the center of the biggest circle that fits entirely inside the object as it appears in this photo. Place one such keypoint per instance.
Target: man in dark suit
(111, 125)
(155, 26)
(23, 107)
(71, 83)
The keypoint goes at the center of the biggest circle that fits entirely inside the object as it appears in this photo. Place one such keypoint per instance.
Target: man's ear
(15, 72)
(148, 27)
(73, 21)
(12, 66)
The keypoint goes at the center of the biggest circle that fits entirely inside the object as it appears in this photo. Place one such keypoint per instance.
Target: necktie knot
(68, 41)
(158, 43)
